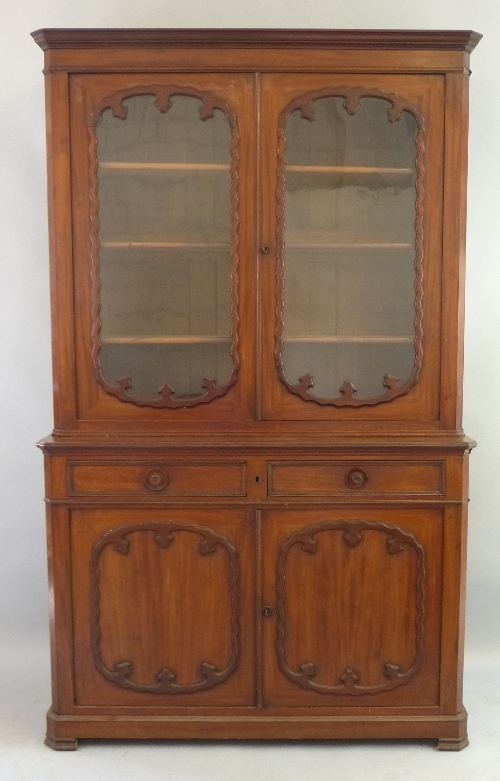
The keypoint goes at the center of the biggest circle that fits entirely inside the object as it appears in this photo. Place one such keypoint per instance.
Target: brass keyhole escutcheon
(356, 478)
(156, 479)
(267, 611)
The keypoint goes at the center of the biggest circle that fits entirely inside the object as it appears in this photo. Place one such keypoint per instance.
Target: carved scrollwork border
(165, 683)
(352, 532)
(210, 103)
(304, 104)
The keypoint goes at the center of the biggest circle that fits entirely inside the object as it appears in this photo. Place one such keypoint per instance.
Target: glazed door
(351, 238)
(163, 607)
(162, 177)
(352, 607)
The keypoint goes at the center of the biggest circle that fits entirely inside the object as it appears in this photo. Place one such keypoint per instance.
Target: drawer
(161, 478)
(324, 478)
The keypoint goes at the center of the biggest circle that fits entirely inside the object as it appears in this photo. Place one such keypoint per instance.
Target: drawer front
(154, 479)
(327, 478)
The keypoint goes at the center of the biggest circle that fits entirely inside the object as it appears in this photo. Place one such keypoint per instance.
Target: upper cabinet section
(257, 231)
(165, 246)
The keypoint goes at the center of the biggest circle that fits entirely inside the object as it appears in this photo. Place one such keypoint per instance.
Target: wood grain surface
(258, 565)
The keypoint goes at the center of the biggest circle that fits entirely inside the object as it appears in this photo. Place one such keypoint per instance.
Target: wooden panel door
(163, 205)
(352, 223)
(163, 607)
(354, 604)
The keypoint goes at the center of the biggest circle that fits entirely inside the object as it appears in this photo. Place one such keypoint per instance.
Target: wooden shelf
(303, 169)
(201, 245)
(347, 169)
(180, 245)
(350, 339)
(166, 339)
(223, 339)
(116, 166)
(349, 246)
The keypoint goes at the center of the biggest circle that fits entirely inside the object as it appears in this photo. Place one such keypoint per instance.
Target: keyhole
(257, 479)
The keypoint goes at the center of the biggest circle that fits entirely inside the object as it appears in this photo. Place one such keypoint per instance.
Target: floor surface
(24, 698)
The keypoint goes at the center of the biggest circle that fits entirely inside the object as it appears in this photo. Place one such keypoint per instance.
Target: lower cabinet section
(253, 621)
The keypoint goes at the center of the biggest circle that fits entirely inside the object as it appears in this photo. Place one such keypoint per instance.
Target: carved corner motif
(350, 681)
(164, 536)
(163, 94)
(398, 105)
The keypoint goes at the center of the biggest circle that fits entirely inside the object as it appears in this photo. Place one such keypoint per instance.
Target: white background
(25, 386)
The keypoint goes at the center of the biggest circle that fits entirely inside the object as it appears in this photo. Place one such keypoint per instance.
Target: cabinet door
(162, 181)
(163, 607)
(355, 598)
(353, 223)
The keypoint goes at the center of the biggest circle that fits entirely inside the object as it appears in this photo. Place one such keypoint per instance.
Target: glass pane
(349, 248)
(164, 196)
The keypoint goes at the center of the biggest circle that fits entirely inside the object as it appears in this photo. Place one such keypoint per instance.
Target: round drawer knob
(156, 479)
(356, 478)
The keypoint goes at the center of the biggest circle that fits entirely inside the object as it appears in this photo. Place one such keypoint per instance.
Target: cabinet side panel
(60, 247)
(61, 618)
(454, 219)
(454, 574)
